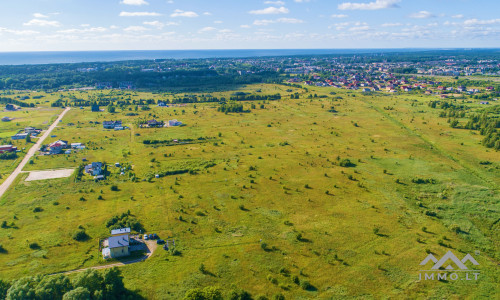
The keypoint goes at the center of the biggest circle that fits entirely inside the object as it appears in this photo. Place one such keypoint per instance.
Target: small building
(174, 123)
(32, 130)
(484, 102)
(7, 148)
(111, 124)
(162, 104)
(20, 136)
(5, 119)
(120, 231)
(154, 123)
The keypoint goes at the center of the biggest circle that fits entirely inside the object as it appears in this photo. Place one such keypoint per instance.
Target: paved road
(6, 184)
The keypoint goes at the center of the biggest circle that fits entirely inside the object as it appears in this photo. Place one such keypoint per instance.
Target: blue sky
(48, 25)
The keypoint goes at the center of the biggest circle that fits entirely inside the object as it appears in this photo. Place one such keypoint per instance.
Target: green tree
(111, 109)
(207, 293)
(23, 288)
(4, 287)
(80, 293)
(53, 287)
(90, 279)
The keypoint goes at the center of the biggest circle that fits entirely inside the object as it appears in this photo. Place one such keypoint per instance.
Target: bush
(114, 188)
(305, 285)
(2, 249)
(37, 209)
(80, 236)
(346, 163)
(34, 246)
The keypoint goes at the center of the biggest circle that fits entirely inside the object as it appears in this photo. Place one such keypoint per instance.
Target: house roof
(120, 231)
(118, 241)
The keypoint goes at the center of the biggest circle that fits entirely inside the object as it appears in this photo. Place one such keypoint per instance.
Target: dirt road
(6, 184)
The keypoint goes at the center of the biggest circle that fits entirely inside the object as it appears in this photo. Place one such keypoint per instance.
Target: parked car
(159, 242)
(155, 236)
(145, 236)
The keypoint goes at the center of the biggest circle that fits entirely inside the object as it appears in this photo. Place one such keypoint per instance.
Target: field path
(6, 184)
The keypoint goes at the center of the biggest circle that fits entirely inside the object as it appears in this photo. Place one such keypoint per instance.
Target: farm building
(121, 231)
(7, 148)
(20, 136)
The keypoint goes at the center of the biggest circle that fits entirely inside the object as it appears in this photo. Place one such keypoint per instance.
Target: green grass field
(353, 231)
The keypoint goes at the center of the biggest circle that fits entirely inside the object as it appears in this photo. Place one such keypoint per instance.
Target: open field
(269, 196)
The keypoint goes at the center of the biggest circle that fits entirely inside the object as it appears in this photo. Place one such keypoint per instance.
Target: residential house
(57, 147)
(111, 124)
(32, 131)
(117, 246)
(95, 168)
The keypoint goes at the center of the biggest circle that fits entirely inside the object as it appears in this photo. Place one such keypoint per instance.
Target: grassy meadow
(290, 190)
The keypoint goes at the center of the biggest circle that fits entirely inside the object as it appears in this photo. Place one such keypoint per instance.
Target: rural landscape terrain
(295, 178)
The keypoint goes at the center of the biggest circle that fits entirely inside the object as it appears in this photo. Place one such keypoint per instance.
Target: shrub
(346, 163)
(2, 249)
(80, 236)
(34, 246)
(114, 188)
(37, 209)
(305, 285)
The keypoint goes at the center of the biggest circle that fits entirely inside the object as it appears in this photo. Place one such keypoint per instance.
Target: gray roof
(118, 241)
(120, 231)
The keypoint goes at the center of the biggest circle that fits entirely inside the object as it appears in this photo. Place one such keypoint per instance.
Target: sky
(73, 25)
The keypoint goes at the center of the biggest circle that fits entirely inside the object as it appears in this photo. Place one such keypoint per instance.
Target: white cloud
(139, 14)
(218, 22)
(422, 15)
(156, 24)
(225, 31)
(135, 29)
(457, 16)
(275, 2)
(40, 16)
(339, 16)
(18, 32)
(207, 13)
(181, 13)
(360, 28)
(42, 23)
(134, 2)
(206, 29)
(270, 11)
(392, 24)
(301, 1)
(86, 30)
(481, 22)
(280, 20)
(245, 26)
(378, 4)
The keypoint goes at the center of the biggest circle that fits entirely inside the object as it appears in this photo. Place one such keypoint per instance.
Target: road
(6, 184)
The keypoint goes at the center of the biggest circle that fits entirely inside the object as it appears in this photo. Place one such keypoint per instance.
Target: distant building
(120, 231)
(484, 102)
(95, 168)
(7, 148)
(57, 147)
(174, 123)
(20, 136)
(111, 124)
(154, 123)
